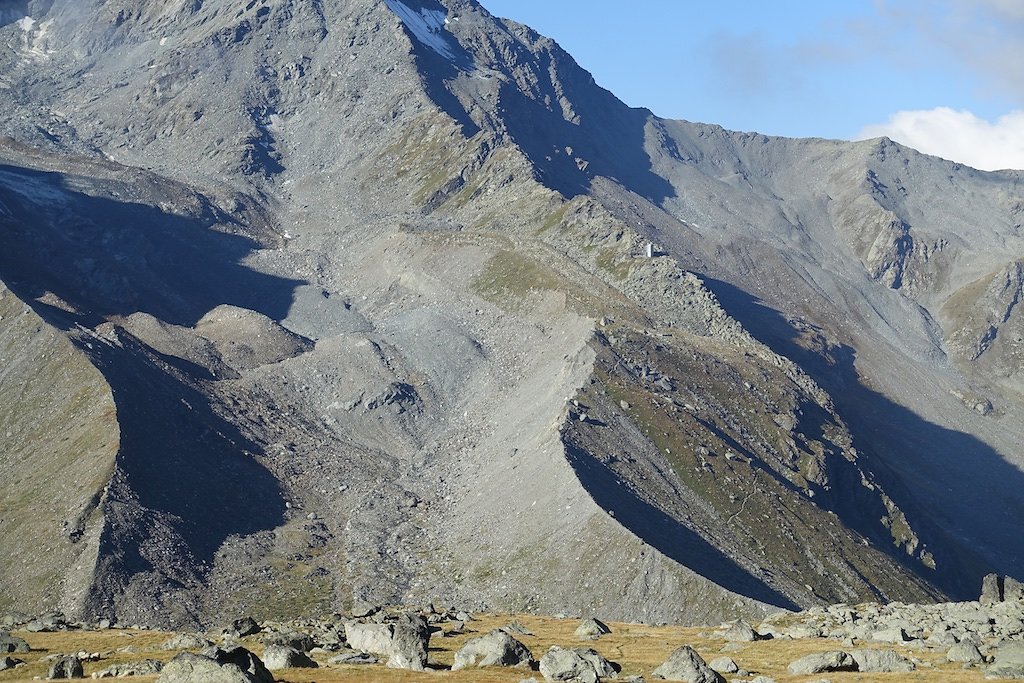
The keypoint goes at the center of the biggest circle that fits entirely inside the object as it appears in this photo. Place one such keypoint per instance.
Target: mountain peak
(390, 302)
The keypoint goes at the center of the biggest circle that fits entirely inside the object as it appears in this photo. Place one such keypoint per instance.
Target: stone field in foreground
(969, 641)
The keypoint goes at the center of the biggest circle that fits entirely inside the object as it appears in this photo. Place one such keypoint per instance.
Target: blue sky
(945, 76)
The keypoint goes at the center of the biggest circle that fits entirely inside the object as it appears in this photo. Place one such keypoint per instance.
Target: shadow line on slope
(669, 536)
(115, 257)
(959, 464)
(186, 479)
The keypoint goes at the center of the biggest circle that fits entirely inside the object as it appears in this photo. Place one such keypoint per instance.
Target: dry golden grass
(637, 648)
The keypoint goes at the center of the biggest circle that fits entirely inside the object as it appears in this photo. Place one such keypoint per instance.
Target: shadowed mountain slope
(366, 286)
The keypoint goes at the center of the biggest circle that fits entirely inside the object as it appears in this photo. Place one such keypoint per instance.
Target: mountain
(308, 305)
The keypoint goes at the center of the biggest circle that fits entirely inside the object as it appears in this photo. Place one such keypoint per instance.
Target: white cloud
(958, 136)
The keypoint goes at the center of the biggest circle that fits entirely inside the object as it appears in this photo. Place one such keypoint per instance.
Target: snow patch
(427, 26)
(26, 23)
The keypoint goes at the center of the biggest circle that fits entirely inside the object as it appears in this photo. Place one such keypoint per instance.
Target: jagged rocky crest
(308, 305)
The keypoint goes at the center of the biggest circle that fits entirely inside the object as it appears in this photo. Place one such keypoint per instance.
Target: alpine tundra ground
(638, 648)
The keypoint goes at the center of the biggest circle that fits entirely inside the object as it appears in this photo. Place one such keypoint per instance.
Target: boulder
(965, 653)
(375, 638)
(881, 661)
(240, 628)
(410, 642)
(684, 664)
(293, 639)
(891, 635)
(515, 628)
(65, 667)
(941, 638)
(146, 667)
(186, 641)
(1013, 590)
(497, 648)
(234, 665)
(9, 663)
(559, 664)
(821, 662)
(591, 629)
(48, 623)
(740, 632)
(602, 666)
(724, 665)
(9, 643)
(403, 641)
(1009, 661)
(991, 589)
(283, 657)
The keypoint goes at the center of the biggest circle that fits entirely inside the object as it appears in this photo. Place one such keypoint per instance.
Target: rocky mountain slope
(309, 305)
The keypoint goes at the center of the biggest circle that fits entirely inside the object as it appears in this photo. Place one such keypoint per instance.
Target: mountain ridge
(444, 228)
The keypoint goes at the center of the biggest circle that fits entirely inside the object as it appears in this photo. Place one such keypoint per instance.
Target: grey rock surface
(9, 663)
(724, 665)
(284, 657)
(235, 665)
(246, 626)
(146, 667)
(404, 640)
(740, 632)
(835, 660)
(65, 667)
(331, 323)
(186, 641)
(9, 643)
(591, 629)
(574, 666)
(991, 589)
(497, 648)
(966, 653)
(684, 664)
(1009, 662)
(881, 661)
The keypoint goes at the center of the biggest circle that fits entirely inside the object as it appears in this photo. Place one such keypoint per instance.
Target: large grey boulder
(240, 628)
(186, 641)
(410, 641)
(302, 642)
(890, 635)
(1013, 590)
(591, 629)
(965, 653)
(234, 665)
(942, 638)
(497, 648)
(374, 638)
(881, 661)
(684, 664)
(602, 666)
(146, 667)
(724, 665)
(821, 662)
(65, 667)
(991, 589)
(740, 632)
(9, 643)
(1009, 661)
(575, 666)
(283, 657)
